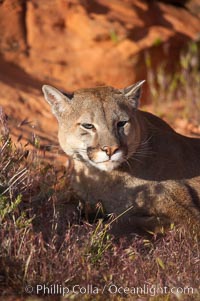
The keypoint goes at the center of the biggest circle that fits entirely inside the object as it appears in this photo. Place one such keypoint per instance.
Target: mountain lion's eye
(87, 126)
(121, 124)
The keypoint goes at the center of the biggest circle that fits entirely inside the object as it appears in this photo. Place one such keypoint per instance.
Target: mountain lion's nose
(110, 150)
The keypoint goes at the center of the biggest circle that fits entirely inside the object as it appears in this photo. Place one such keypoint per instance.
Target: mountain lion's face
(97, 125)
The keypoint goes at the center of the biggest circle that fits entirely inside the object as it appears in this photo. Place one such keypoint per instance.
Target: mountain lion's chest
(116, 191)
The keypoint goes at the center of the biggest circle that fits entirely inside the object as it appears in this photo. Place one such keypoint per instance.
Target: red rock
(74, 44)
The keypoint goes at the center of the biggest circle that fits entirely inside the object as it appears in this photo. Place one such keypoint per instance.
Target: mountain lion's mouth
(107, 165)
(104, 161)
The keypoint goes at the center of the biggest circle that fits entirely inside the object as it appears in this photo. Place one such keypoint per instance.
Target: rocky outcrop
(82, 43)
(77, 43)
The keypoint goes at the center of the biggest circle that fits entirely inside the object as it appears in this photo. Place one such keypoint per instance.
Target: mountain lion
(131, 161)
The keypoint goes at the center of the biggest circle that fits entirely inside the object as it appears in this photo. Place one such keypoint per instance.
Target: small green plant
(7, 208)
(114, 36)
(100, 242)
(183, 85)
(158, 41)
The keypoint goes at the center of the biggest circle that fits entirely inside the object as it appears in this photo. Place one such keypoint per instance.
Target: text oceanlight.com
(151, 290)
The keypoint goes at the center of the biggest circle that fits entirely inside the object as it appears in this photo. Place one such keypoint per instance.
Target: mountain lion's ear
(133, 93)
(57, 100)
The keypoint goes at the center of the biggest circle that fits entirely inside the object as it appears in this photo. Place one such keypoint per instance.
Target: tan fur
(142, 164)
